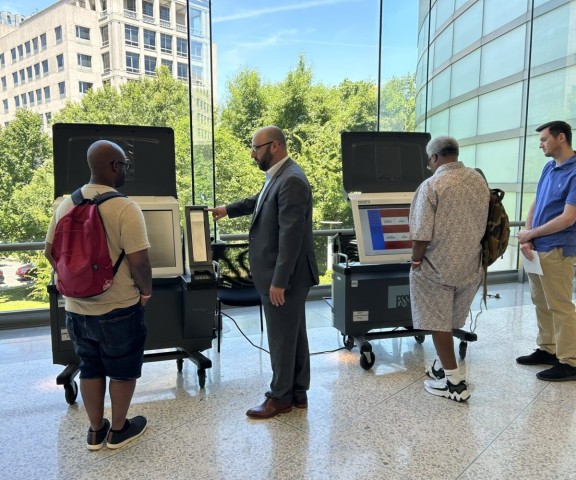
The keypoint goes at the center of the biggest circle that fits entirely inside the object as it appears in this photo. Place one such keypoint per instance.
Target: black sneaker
(444, 388)
(561, 372)
(435, 373)
(538, 357)
(137, 426)
(96, 439)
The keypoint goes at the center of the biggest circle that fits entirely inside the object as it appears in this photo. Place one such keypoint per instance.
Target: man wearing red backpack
(108, 330)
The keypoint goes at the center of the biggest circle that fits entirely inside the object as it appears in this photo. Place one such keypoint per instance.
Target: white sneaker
(435, 373)
(444, 388)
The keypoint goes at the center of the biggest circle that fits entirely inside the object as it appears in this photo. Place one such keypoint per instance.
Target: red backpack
(80, 249)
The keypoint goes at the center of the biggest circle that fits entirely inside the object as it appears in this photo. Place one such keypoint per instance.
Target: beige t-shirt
(125, 229)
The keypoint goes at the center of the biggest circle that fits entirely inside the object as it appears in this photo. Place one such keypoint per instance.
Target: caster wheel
(367, 359)
(71, 392)
(348, 342)
(179, 364)
(462, 349)
(202, 377)
(420, 338)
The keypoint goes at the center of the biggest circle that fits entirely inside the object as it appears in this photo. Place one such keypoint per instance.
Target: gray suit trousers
(288, 342)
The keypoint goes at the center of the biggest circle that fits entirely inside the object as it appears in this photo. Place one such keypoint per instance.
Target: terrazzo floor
(378, 423)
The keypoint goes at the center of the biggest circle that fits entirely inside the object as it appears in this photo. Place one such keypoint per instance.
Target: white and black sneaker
(435, 373)
(444, 388)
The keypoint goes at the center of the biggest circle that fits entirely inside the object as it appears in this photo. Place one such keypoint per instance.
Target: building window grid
(45, 68)
(35, 45)
(106, 62)
(46, 94)
(17, 101)
(39, 96)
(83, 87)
(29, 74)
(181, 47)
(149, 65)
(4, 84)
(20, 52)
(31, 98)
(2, 60)
(5, 103)
(62, 89)
(60, 62)
(15, 78)
(82, 33)
(84, 61)
(104, 35)
(165, 43)
(37, 71)
(58, 34)
(182, 71)
(196, 50)
(167, 64)
(132, 62)
(131, 35)
(43, 42)
(149, 40)
(28, 49)
(13, 55)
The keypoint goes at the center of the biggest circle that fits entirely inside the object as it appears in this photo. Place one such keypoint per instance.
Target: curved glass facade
(489, 72)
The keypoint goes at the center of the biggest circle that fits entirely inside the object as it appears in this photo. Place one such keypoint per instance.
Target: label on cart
(64, 335)
(360, 315)
(61, 302)
(399, 296)
(354, 283)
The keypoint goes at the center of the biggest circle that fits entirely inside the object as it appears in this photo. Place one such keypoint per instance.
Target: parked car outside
(27, 271)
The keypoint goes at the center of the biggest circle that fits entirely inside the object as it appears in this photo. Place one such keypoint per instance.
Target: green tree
(398, 103)
(24, 148)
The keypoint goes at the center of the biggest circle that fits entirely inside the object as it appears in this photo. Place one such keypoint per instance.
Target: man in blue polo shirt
(550, 233)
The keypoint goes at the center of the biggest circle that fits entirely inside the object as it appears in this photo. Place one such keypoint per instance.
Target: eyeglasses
(256, 147)
(127, 165)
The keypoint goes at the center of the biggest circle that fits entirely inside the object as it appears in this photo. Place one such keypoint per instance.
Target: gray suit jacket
(280, 237)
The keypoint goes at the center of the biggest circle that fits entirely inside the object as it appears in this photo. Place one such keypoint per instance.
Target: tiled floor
(377, 423)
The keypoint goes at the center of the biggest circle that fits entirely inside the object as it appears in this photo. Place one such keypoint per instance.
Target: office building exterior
(59, 53)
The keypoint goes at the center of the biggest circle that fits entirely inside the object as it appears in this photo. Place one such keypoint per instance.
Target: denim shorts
(109, 345)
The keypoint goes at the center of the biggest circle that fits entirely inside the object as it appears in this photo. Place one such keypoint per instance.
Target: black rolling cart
(180, 314)
(373, 302)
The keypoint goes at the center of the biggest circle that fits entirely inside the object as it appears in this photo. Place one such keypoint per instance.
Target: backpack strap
(99, 200)
(77, 196)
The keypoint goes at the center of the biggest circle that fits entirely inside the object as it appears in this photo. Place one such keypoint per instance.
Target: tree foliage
(24, 149)
(312, 115)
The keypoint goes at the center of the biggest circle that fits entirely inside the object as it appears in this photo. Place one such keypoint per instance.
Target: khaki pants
(552, 296)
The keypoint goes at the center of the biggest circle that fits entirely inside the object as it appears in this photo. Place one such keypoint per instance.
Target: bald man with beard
(108, 330)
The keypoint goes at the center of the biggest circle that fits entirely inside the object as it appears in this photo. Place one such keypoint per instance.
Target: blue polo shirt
(556, 188)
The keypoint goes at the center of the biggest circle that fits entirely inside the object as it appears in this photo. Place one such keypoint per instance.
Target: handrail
(20, 247)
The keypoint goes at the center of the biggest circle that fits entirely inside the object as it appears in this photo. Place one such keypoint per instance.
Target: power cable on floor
(263, 349)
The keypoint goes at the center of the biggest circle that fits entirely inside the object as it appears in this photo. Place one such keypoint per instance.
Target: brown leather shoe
(270, 408)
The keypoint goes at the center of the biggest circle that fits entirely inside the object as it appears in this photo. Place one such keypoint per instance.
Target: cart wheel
(462, 349)
(201, 377)
(348, 342)
(179, 364)
(71, 392)
(420, 338)
(367, 360)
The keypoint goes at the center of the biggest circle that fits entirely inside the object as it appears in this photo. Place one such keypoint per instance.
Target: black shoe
(561, 372)
(95, 440)
(538, 357)
(137, 426)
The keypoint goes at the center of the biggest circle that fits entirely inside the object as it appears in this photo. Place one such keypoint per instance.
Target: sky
(339, 38)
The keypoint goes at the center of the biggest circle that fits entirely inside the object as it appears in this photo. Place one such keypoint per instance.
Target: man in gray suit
(283, 267)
